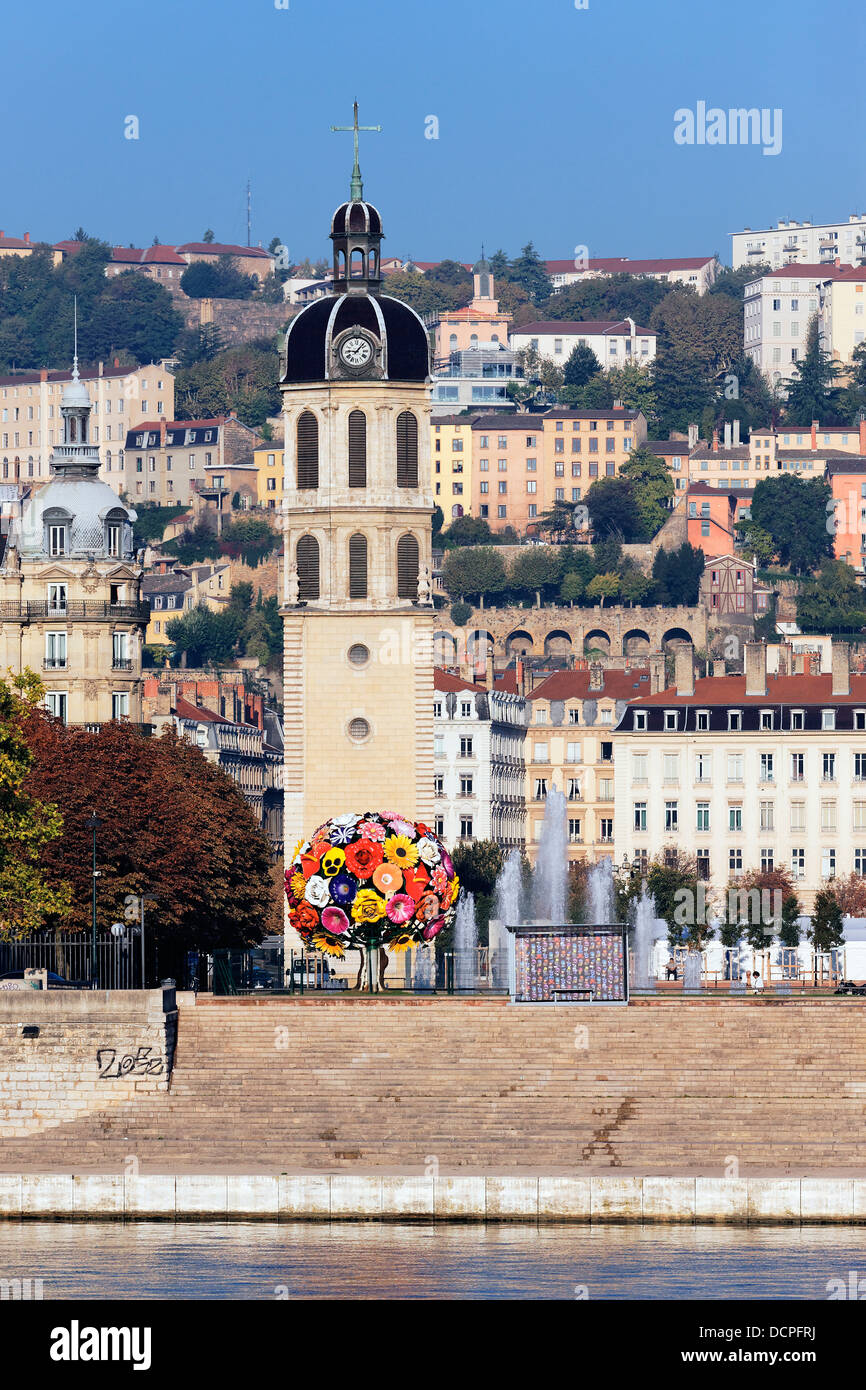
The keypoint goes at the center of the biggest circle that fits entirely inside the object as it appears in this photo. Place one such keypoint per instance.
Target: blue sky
(555, 124)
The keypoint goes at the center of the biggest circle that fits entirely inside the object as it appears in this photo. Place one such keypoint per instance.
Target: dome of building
(86, 507)
(75, 394)
(406, 355)
(355, 217)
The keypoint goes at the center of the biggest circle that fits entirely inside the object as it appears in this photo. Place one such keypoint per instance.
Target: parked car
(54, 981)
(849, 987)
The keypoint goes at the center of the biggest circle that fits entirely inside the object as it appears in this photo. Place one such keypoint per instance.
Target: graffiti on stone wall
(138, 1063)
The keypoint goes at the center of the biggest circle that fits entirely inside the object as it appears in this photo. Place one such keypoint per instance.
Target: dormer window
(640, 719)
(702, 721)
(114, 539)
(58, 539)
(860, 719)
(766, 719)
(828, 719)
(670, 721)
(797, 719)
(735, 719)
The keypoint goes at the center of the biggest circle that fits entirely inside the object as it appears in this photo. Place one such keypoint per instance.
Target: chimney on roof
(684, 669)
(693, 437)
(786, 659)
(715, 441)
(596, 676)
(657, 672)
(814, 434)
(491, 671)
(863, 434)
(736, 434)
(27, 236)
(719, 668)
(756, 668)
(841, 669)
(117, 361)
(728, 434)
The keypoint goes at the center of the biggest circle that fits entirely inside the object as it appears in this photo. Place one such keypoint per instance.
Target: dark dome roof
(309, 336)
(356, 217)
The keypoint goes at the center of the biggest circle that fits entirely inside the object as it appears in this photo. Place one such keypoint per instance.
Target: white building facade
(615, 343)
(777, 310)
(479, 767)
(805, 242)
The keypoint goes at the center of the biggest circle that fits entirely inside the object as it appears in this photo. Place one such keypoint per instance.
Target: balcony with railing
(54, 663)
(121, 663)
(75, 610)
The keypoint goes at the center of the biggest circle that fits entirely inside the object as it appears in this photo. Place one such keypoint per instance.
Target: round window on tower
(359, 655)
(359, 730)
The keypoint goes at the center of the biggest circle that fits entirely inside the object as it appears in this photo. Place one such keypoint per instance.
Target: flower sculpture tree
(370, 880)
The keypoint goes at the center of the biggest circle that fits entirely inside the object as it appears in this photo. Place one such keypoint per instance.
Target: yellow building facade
(451, 465)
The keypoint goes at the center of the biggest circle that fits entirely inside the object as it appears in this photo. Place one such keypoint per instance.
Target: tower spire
(357, 187)
(75, 337)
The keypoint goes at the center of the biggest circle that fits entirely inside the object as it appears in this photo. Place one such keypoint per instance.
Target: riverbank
(470, 1197)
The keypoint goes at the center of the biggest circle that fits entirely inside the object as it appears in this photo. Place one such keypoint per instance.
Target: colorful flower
(399, 849)
(372, 830)
(433, 929)
(387, 878)
(343, 889)
(428, 851)
(347, 818)
(403, 827)
(335, 920)
(416, 881)
(304, 918)
(455, 889)
(447, 864)
(318, 891)
(439, 881)
(363, 857)
(297, 884)
(327, 946)
(401, 943)
(342, 834)
(400, 909)
(368, 906)
(429, 908)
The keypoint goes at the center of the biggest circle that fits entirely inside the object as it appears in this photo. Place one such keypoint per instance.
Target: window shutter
(308, 450)
(357, 449)
(407, 450)
(407, 567)
(357, 566)
(308, 567)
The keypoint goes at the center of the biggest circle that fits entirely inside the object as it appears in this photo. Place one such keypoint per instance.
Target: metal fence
(266, 969)
(118, 965)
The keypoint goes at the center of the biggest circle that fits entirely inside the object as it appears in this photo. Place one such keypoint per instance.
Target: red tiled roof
(14, 243)
(184, 710)
(574, 685)
(856, 272)
(70, 246)
(622, 265)
(799, 270)
(152, 255)
(585, 327)
(219, 248)
(446, 681)
(786, 690)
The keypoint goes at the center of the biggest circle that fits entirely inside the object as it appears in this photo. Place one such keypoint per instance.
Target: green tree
(203, 637)
(833, 601)
(635, 587)
(613, 508)
(244, 379)
(208, 236)
(222, 280)
(826, 931)
(612, 297)
(28, 824)
(535, 571)
(603, 586)
(734, 282)
(813, 392)
(633, 385)
(581, 365)
(794, 512)
(677, 575)
(529, 271)
(653, 488)
(473, 570)
(572, 588)
(467, 530)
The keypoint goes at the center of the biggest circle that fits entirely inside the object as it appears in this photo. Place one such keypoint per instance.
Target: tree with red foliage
(172, 825)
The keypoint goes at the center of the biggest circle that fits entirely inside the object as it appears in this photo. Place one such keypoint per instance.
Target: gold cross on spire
(357, 186)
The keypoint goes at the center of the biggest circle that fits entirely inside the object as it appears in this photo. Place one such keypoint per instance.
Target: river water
(204, 1260)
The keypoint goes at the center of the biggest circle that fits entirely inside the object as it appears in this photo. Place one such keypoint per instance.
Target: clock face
(356, 351)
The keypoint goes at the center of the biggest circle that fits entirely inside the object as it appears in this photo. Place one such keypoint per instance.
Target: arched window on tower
(357, 263)
(407, 567)
(357, 449)
(307, 555)
(407, 450)
(358, 566)
(308, 450)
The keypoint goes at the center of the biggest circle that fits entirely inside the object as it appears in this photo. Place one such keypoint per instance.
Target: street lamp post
(145, 898)
(93, 824)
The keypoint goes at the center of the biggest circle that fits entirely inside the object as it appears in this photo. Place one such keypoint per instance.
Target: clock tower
(357, 511)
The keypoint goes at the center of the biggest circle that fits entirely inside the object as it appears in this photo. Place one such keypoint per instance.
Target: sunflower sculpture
(371, 879)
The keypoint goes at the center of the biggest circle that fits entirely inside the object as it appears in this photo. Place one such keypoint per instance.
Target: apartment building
(159, 263)
(31, 424)
(478, 323)
(269, 462)
(174, 592)
(569, 745)
(451, 461)
(22, 246)
(697, 272)
(747, 772)
(479, 769)
(583, 445)
(614, 342)
(476, 379)
(777, 310)
(843, 315)
(166, 460)
(730, 464)
(801, 242)
(847, 480)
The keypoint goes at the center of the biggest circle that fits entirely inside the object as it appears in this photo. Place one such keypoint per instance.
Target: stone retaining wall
(93, 1048)
(332, 1197)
